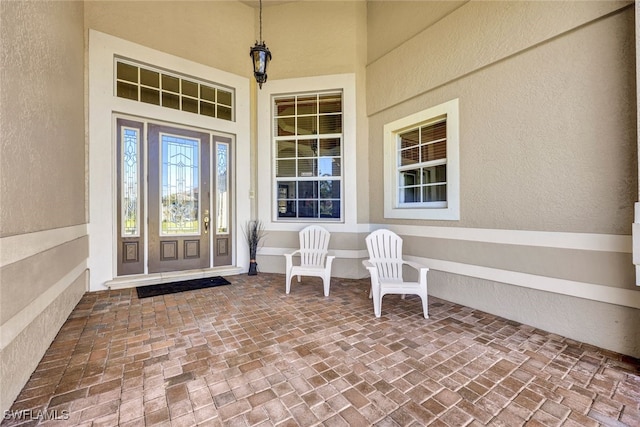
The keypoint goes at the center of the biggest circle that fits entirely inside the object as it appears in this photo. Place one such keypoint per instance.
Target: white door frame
(103, 103)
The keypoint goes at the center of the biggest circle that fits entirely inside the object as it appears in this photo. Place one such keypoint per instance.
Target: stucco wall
(42, 117)
(393, 23)
(548, 159)
(315, 38)
(213, 33)
(547, 135)
(43, 237)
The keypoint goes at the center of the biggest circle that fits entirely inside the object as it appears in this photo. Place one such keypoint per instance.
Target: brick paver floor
(250, 355)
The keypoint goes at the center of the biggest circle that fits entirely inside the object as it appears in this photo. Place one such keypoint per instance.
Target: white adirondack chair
(314, 261)
(385, 266)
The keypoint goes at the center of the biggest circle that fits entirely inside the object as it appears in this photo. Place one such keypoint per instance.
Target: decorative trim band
(16, 324)
(591, 291)
(22, 246)
(549, 239)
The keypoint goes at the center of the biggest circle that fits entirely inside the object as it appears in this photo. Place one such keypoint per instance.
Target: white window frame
(450, 210)
(300, 178)
(199, 99)
(265, 178)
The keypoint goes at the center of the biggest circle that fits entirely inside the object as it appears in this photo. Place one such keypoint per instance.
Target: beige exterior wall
(217, 34)
(548, 157)
(393, 23)
(42, 87)
(315, 38)
(43, 238)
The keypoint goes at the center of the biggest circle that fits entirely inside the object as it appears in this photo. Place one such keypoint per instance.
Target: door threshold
(135, 280)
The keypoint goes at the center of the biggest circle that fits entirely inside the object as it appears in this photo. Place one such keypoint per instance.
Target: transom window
(158, 87)
(308, 156)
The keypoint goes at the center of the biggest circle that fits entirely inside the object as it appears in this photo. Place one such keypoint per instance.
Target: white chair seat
(314, 261)
(385, 267)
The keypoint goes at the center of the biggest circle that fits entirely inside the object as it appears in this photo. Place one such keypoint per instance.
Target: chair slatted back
(385, 252)
(314, 245)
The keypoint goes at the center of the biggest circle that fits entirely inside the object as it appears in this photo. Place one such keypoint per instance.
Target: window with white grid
(170, 90)
(422, 165)
(308, 147)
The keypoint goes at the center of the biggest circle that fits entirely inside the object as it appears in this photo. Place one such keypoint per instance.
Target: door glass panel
(179, 208)
(222, 188)
(130, 201)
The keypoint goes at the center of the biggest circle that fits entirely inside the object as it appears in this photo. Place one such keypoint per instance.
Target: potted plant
(254, 232)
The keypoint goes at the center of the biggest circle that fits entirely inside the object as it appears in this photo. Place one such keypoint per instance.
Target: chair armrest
(373, 270)
(422, 271)
(415, 265)
(329, 259)
(289, 259)
(291, 254)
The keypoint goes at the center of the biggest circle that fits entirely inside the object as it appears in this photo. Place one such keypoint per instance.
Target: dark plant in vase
(254, 233)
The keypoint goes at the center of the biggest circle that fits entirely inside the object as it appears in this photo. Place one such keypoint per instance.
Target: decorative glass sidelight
(130, 203)
(222, 188)
(179, 209)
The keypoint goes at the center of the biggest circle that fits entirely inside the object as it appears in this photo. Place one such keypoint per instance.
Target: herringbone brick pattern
(249, 355)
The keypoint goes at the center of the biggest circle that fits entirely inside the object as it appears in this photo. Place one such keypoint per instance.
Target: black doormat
(185, 285)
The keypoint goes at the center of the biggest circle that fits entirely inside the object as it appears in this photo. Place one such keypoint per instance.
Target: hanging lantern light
(260, 56)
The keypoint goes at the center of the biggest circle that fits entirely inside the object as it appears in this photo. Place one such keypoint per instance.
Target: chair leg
(288, 283)
(425, 305)
(377, 301)
(326, 282)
